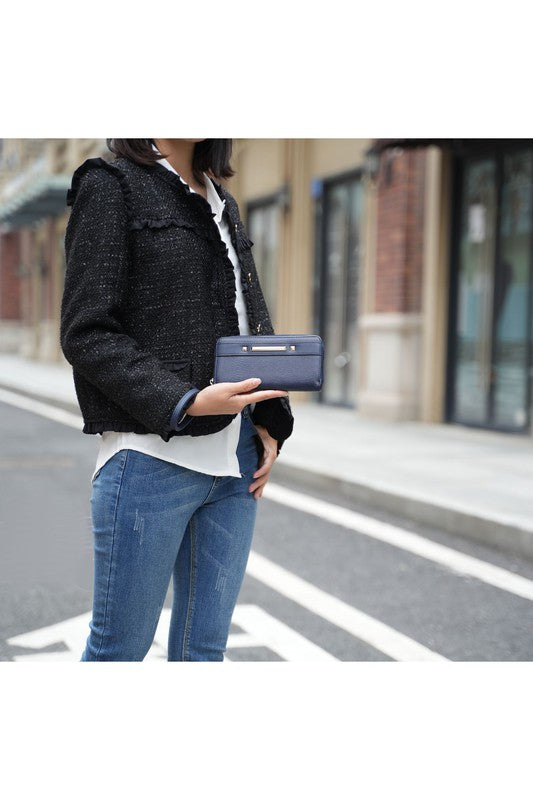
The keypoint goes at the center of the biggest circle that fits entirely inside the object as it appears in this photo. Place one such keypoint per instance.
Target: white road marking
(380, 636)
(242, 640)
(277, 636)
(71, 633)
(43, 409)
(406, 540)
(260, 629)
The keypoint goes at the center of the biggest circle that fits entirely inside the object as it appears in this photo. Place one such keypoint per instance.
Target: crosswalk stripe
(276, 635)
(406, 540)
(362, 626)
(44, 409)
(259, 629)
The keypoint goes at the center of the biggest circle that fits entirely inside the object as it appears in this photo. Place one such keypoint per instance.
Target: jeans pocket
(117, 458)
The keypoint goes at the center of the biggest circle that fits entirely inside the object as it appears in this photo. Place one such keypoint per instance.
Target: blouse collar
(216, 202)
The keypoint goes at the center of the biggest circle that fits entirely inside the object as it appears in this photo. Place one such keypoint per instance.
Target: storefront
(490, 345)
(338, 218)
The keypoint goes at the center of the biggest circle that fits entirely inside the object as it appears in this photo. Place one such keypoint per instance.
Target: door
(490, 321)
(341, 205)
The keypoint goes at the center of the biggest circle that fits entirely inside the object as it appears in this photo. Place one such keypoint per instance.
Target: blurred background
(412, 259)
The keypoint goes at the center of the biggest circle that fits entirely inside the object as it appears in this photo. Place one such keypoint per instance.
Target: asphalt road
(315, 589)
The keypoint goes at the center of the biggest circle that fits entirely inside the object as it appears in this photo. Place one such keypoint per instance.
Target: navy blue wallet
(282, 361)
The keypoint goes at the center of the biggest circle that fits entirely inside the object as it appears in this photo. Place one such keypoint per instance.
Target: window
(491, 291)
(338, 225)
(263, 226)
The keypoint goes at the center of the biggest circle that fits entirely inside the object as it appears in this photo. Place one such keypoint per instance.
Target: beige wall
(264, 164)
(260, 168)
(330, 156)
(435, 287)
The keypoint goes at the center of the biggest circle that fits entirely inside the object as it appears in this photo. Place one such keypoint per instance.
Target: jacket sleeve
(276, 416)
(180, 419)
(92, 337)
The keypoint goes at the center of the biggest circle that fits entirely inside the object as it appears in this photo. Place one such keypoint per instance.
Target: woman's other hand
(262, 473)
(230, 397)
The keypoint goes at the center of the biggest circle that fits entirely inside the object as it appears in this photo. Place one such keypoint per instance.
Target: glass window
(263, 228)
(475, 288)
(338, 289)
(511, 287)
(492, 313)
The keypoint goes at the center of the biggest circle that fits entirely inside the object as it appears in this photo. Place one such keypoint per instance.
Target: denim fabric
(152, 521)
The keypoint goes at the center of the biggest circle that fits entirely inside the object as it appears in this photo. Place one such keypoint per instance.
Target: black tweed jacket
(149, 287)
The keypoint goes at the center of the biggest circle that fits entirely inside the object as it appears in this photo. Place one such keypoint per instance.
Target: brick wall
(10, 307)
(400, 220)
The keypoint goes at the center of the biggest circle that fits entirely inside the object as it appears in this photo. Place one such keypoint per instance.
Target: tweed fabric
(149, 287)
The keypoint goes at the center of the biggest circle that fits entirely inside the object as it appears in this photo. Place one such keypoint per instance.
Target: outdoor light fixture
(283, 197)
(371, 164)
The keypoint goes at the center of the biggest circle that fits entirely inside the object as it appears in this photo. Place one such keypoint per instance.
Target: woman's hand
(230, 397)
(262, 474)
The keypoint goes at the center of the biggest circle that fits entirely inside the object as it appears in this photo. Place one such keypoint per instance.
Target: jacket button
(258, 327)
(250, 277)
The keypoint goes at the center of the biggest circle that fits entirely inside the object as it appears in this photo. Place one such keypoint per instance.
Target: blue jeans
(153, 520)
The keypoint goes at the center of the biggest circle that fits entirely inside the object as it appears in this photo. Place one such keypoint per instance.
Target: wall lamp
(283, 197)
(371, 164)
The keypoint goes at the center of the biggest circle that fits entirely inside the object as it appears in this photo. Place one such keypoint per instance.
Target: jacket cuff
(276, 416)
(180, 419)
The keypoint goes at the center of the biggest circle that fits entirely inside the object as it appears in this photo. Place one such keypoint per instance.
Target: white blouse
(213, 453)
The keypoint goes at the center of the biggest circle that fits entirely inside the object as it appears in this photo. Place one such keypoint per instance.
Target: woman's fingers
(264, 394)
(262, 474)
(222, 398)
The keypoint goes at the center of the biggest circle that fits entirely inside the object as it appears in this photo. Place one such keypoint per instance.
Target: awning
(44, 197)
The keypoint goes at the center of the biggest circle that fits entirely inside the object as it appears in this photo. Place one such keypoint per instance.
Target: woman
(158, 266)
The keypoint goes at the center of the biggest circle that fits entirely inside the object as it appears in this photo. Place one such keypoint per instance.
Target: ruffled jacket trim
(100, 163)
(167, 222)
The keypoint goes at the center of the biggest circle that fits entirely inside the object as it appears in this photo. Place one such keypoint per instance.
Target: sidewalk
(469, 482)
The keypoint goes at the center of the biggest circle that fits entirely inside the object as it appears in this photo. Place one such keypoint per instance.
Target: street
(327, 579)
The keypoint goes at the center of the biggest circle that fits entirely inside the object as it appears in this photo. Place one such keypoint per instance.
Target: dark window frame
(496, 149)
(321, 221)
(263, 201)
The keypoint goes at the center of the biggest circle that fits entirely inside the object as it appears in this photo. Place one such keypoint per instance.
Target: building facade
(411, 258)
(34, 177)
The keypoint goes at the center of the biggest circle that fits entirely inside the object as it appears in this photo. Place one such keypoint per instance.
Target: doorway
(339, 214)
(491, 330)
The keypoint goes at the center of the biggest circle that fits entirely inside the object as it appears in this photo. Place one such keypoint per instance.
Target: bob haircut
(211, 156)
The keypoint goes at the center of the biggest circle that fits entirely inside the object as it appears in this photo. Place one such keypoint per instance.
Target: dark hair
(211, 155)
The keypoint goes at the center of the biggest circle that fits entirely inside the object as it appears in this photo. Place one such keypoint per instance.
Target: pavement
(473, 483)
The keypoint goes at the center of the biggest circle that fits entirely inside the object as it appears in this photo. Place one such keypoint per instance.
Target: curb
(500, 533)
